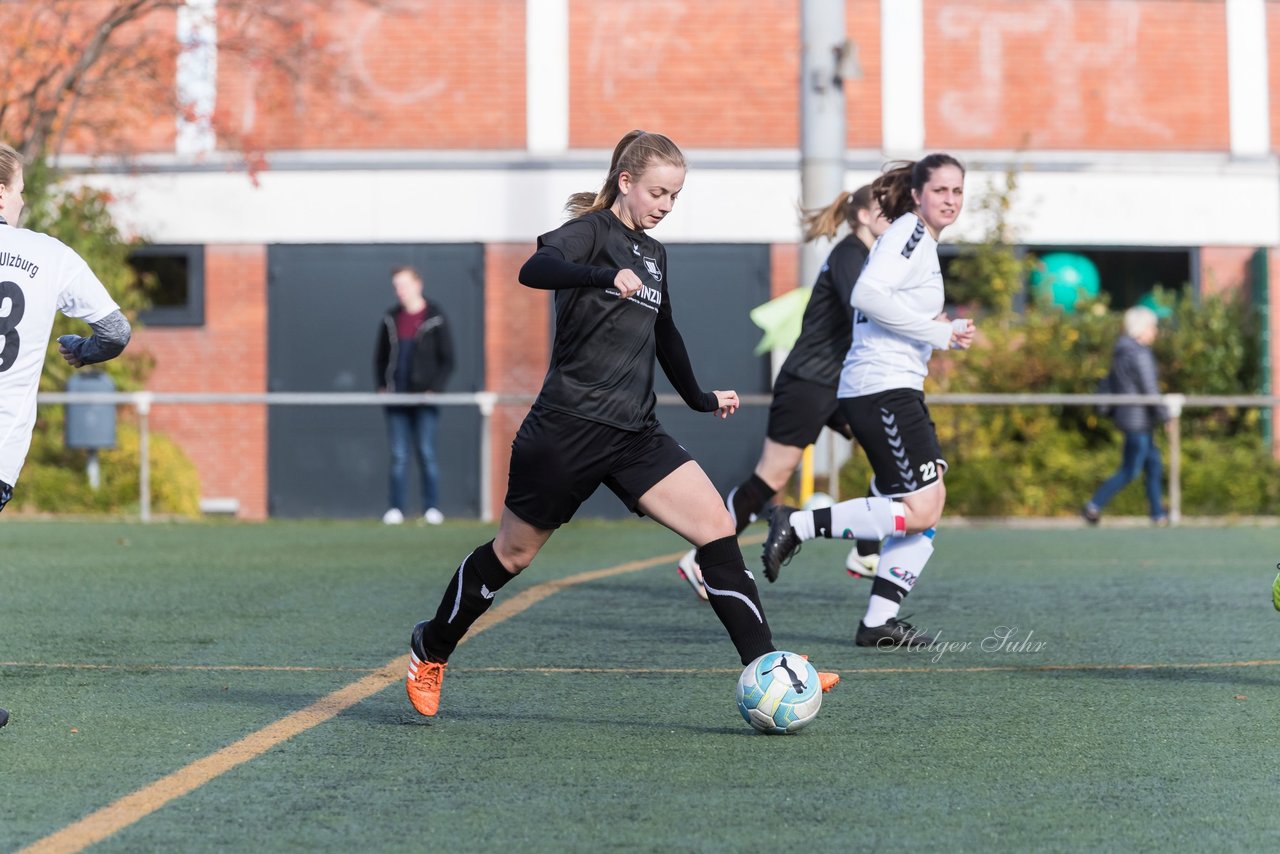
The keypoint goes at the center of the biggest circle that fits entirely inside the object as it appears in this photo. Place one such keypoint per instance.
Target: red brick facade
(228, 444)
(1004, 74)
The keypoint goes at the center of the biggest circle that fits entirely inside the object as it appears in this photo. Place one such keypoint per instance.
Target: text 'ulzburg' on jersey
(895, 302)
(39, 276)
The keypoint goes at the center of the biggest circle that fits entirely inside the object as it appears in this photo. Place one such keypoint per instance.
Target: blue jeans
(411, 427)
(1140, 454)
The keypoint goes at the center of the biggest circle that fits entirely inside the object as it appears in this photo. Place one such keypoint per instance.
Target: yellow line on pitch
(118, 815)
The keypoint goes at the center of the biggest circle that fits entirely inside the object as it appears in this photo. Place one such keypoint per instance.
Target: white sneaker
(689, 571)
(433, 517)
(861, 566)
(392, 517)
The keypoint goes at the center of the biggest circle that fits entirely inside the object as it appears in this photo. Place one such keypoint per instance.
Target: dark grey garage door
(325, 303)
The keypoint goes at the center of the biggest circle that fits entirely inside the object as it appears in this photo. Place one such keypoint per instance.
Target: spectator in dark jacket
(1133, 371)
(414, 354)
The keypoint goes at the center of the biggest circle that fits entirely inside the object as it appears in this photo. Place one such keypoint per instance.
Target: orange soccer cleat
(826, 678)
(423, 684)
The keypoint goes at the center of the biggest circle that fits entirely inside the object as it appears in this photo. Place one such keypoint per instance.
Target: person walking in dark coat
(1133, 371)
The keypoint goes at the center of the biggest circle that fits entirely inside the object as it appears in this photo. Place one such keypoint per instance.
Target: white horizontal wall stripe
(1171, 202)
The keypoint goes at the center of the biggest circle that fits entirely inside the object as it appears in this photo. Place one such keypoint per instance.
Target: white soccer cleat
(433, 517)
(689, 571)
(393, 517)
(861, 566)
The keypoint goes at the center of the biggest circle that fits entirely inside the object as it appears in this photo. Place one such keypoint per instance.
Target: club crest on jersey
(651, 265)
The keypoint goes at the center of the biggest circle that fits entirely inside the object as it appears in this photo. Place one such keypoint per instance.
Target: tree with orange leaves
(121, 77)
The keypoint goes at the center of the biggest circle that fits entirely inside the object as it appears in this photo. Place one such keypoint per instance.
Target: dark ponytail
(892, 189)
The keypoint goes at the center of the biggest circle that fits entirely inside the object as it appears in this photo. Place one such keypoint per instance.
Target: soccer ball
(779, 692)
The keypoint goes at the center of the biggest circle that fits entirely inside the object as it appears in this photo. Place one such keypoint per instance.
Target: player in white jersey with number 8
(898, 322)
(39, 276)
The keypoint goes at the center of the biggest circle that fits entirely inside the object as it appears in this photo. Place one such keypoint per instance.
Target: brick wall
(449, 74)
(228, 444)
(1224, 269)
(417, 74)
(1089, 74)
(712, 74)
(517, 350)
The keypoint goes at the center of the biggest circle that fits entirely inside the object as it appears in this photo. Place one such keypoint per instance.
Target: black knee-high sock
(734, 597)
(747, 499)
(469, 594)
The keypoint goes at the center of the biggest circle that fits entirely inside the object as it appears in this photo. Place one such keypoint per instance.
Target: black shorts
(800, 409)
(895, 430)
(6, 493)
(558, 460)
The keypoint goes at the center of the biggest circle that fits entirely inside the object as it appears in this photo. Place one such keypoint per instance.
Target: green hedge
(54, 479)
(1047, 460)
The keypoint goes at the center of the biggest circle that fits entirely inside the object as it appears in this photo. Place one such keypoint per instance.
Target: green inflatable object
(1064, 279)
(781, 319)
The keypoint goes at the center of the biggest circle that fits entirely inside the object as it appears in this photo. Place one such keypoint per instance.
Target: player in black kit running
(593, 422)
(804, 394)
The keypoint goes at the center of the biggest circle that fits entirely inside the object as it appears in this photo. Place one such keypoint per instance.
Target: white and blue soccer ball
(779, 693)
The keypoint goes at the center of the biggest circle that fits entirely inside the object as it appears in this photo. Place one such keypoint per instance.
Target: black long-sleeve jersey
(827, 327)
(603, 355)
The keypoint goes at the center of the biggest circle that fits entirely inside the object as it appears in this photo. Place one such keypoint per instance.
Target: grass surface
(1132, 704)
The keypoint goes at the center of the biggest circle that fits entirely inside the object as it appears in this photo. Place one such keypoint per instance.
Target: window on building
(172, 277)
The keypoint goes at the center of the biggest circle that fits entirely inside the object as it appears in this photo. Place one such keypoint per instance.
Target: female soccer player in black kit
(804, 394)
(593, 422)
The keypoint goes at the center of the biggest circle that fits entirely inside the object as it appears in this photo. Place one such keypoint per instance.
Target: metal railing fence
(486, 402)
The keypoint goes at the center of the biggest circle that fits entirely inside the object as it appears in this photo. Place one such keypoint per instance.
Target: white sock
(856, 519)
(802, 524)
(901, 563)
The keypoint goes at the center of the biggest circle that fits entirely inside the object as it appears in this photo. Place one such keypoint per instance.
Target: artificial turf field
(172, 688)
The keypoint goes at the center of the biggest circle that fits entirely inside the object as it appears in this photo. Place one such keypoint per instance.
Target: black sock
(747, 500)
(822, 522)
(886, 589)
(469, 594)
(734, 597)
(868, 547)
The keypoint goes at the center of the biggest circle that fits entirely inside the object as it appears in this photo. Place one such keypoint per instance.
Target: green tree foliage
(989, 274)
